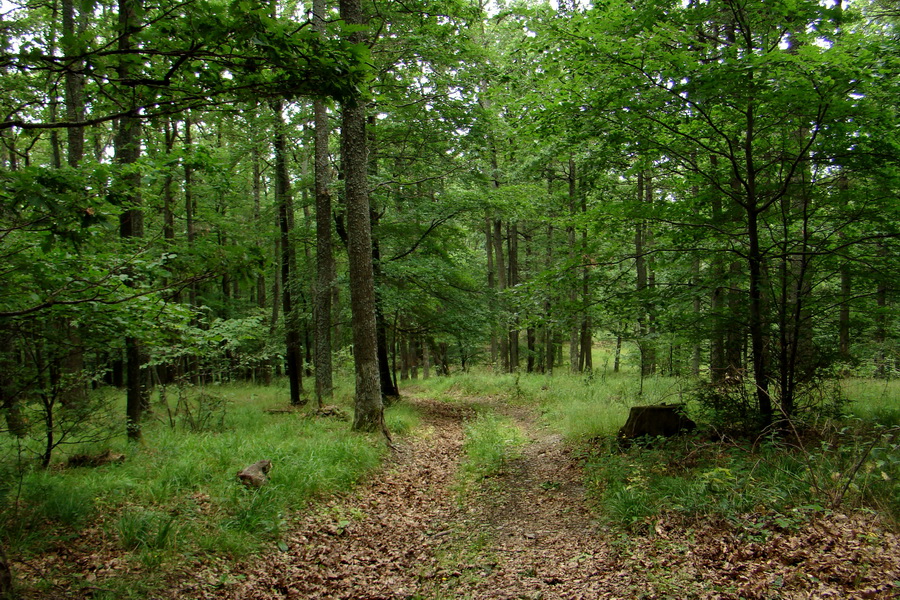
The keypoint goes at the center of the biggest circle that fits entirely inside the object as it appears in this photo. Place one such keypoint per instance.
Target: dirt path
(538, 538)
(526, 534)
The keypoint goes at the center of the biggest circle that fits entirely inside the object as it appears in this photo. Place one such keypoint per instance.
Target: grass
(177, 493)
(491, 442)
(848, 464)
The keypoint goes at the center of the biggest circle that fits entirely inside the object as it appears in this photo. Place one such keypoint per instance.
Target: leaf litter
(528, 533)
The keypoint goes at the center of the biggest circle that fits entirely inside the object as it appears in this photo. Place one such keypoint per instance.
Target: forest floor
(416, 532)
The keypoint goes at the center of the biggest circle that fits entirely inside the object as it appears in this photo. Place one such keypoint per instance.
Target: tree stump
(663, 420)
(255, 474)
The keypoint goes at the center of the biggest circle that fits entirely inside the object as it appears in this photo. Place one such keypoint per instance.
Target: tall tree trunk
(500, 263)
(491, 278)
(695, 277)
(650, 305)
(586, 359)
(131, 222)
(388, 385)
(530, 337)
(285, 203)
(846, 284)
(549, 353)
(75, 388)
(324, 249)
(640, 262)
(368, 408)
(574, 325)
(513, 244)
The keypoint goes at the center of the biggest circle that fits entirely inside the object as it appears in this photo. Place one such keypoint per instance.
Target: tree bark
(285, 203)
(324, 248)
(500, 263)
(574, 325)
(368, 407)
(513, 244)
(127, 144)
(491, 279)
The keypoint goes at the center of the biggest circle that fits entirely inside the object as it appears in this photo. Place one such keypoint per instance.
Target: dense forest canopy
(210, 190)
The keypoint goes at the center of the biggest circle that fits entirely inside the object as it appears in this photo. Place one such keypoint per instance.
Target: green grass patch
(177, 492)
(874, 399)
(491, 442)
(779, 482)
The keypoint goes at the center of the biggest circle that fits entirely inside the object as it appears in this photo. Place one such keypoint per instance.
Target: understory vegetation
(756, 483)
(176, 497)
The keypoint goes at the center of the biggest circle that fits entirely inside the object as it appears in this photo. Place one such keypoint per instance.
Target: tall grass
(491, 442)
(177, 492)
(578, 406)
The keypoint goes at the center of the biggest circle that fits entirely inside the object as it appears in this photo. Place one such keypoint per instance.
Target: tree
(369, 410)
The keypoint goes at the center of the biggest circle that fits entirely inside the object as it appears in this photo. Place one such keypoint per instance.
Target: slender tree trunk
(324, 248)
(586, 359)
(530, 336)
(549, 353)
(574, 325)
(500, 263)
(491, 279)
(368, 409)
(695, 348)
(846, 285)
(640, 262)
(131, 222)
(388, 387)
(284, 201)
(513, 244)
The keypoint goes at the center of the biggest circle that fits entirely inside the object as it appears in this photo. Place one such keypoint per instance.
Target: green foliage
(145, 529)
(491, 442)
(180, 491)
(778, 483)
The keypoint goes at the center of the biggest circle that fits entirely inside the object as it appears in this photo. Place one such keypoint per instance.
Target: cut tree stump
(663, 420)
(255, 474)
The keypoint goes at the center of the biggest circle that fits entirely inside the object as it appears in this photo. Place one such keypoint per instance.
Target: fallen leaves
(524, 534)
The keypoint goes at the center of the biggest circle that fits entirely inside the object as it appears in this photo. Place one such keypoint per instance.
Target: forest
(312, 233)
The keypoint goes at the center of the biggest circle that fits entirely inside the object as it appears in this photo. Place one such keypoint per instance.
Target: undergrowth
(491, 442)
(778, 482)
(176, 494)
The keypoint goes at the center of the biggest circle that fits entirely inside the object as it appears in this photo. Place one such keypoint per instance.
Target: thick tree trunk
(284, 201)
(368, 408)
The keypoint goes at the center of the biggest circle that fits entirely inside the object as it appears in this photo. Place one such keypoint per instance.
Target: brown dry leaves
(527, 534)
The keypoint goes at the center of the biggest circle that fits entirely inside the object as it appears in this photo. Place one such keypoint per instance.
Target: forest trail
(409, 533)
(415, 532)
